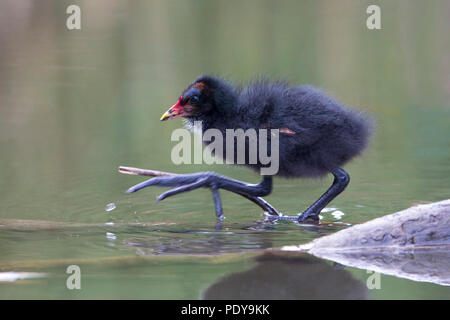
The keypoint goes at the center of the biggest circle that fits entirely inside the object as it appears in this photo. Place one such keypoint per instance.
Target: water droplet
(337, 214)
(110, 207)
(325, 210)
(111, 236)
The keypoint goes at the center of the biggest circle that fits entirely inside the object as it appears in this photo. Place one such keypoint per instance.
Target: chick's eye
(194, 99)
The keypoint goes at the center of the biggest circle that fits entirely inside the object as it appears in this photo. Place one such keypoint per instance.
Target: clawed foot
(183, 183)
(188, 182)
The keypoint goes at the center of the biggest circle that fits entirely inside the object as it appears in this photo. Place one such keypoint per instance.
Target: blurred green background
(76, 104)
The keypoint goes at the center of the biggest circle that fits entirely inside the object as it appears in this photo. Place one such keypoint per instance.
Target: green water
(74, 105)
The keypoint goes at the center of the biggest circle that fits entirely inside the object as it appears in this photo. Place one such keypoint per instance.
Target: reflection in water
(257, 236)
(300, 277)
(198, 242)
(422, 264)
(146, 238)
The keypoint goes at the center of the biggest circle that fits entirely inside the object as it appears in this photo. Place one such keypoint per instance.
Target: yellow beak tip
(165, 116)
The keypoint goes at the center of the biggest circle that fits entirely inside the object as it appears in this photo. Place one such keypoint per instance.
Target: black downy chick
(317, 136)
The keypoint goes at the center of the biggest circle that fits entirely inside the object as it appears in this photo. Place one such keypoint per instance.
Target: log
(413, 244)
(144, 172)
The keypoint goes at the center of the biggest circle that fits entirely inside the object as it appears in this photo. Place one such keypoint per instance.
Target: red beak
(175, 111)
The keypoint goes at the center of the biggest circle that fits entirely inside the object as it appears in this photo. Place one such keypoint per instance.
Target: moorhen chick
(317, 136)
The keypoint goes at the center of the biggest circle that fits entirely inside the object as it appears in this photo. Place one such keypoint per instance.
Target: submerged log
(413, 244)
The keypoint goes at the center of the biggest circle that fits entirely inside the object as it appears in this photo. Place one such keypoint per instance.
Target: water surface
(74, 105)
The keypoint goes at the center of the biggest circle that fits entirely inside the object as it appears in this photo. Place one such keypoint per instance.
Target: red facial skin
(177, 110)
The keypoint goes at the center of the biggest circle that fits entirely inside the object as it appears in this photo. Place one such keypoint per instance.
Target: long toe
(188, 187)
(165, 181)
